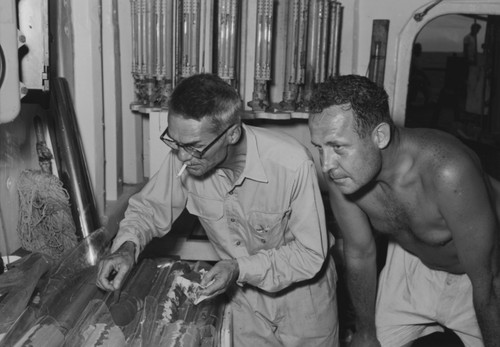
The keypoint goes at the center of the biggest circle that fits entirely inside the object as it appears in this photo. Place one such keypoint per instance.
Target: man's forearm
(362, 285)
(488, 316)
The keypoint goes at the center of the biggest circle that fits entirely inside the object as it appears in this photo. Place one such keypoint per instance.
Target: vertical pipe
(300, 55)
(71, 162)
(140, 35)
(334, 44)
(203, 20)
(312, 39)
(258, 44)
(317, 42)
(232, 38)
(195, 43)
(289, 85)
(150, 41)
(380, 33)
(221, 40)
(185, 37)
(144, 42)
(268, 41)
(227, 38)
(149, 53)
(167, 39)
(133, 6)
(176, 40)
(263, 45)
(323, 41)
(208, 44)
(158, 40)
(190, 38)
(193, 38)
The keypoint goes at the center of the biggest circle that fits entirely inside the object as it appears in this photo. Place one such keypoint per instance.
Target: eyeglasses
(188, 148)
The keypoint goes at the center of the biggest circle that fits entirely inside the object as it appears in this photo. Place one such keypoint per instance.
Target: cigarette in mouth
(182, 170)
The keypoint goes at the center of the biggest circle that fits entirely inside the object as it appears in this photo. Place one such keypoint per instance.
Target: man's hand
(223, 274)
(114, 268)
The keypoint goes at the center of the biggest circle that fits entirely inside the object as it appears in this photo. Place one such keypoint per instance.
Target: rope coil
(45, 222)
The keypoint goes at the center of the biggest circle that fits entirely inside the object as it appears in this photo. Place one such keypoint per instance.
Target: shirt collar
(254, 169)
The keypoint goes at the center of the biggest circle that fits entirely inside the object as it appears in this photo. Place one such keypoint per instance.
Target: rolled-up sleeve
(152, 211)
(301, 257)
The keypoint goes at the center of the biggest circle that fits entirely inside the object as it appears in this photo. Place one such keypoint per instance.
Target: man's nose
(328, 161)
(183, 155)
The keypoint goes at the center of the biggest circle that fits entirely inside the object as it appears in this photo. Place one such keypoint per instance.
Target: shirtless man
(427, 192)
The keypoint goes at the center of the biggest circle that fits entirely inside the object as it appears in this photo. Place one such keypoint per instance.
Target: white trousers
(414, 301)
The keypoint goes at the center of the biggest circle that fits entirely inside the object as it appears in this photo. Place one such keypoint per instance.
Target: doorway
(453, 90)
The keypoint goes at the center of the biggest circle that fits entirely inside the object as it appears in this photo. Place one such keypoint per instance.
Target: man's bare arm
(360, 262)
(469, 211)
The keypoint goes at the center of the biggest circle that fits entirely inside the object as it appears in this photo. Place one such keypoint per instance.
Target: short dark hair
(368, 101)
(206, 95)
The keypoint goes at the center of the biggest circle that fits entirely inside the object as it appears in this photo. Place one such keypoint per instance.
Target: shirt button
(237, 243)
(232, 220)
(263, 241)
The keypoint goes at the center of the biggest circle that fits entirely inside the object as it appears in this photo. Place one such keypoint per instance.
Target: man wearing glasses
(256, 195)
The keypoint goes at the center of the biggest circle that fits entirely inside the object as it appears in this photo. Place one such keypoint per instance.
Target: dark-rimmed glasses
(188, 148)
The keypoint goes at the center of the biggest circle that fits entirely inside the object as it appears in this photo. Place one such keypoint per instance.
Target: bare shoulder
(441, 158)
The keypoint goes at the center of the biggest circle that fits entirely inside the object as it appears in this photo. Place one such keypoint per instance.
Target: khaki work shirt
(271, 220)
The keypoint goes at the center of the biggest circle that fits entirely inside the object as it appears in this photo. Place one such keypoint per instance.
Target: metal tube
(143, 38)
(186, 37)
(334, 44)
(316, 44)
(165, 40)
(227, 38)
(222, 40)
(203, 21)
(232, 38)
(176, 29)
(195, 44)
(158, 39)
(133, 6)
(71, 162)
(265, 20)
(150, 40)
(263, 45)
(323, 41)
(168, 43)
(300, 65)
(289, 89)
(258, 45)
(268, 40)
(311, 64)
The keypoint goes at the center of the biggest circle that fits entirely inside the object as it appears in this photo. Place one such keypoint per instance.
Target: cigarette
(182, 170)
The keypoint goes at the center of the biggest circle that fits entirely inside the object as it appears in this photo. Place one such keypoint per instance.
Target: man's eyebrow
(193, 143)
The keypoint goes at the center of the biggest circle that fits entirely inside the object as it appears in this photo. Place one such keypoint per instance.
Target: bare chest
(407, 215)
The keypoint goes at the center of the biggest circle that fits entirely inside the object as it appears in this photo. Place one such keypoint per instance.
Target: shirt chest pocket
(268, 229)
(208, 209)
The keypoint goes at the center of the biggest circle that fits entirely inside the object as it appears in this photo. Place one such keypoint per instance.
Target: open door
(454, 90)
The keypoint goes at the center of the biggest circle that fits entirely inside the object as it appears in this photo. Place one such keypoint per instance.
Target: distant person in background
(470, 44)
(418, 81)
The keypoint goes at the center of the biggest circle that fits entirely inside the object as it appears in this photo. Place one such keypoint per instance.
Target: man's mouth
(338, 179)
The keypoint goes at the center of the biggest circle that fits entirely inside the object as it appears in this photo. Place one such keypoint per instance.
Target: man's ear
(234, 134)
(381, 135)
